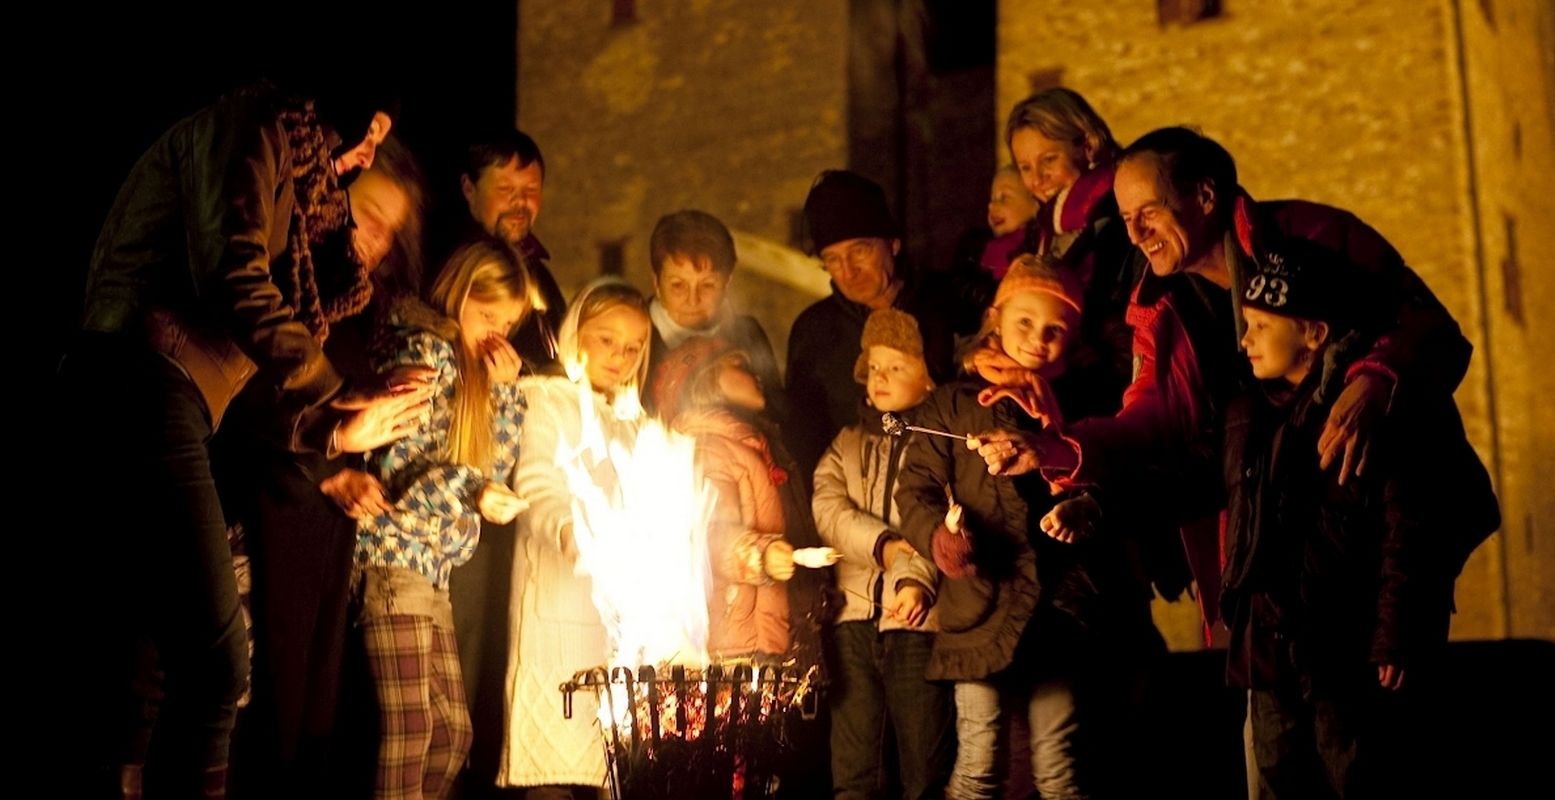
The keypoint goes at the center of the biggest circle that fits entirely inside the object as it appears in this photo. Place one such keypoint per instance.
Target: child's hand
(357, 493)
(1072, 520)
(502, 361)
(778, 560)
(499, 504)
(1390, 676)
(912, 604)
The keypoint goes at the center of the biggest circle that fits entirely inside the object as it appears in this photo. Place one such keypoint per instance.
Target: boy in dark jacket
(1334, 590)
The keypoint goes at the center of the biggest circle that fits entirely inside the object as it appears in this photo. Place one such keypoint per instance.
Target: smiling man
(1179, 198)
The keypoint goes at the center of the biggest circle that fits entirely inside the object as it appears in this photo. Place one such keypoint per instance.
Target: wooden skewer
(865, 598)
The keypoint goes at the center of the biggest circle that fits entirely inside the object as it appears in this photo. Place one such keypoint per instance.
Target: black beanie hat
(845, 205)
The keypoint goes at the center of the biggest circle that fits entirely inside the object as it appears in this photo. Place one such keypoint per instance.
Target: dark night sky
(102, 87)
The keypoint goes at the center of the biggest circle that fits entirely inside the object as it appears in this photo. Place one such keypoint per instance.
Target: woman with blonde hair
(1065, 155)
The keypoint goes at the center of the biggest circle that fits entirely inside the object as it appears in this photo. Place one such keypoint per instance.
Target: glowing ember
(649, 706)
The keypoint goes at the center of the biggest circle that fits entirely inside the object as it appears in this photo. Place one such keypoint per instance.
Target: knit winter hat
(845, 205)
(1032, 274)
(891, 328)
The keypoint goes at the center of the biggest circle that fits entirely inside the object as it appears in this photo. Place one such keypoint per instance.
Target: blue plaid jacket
(435, 523)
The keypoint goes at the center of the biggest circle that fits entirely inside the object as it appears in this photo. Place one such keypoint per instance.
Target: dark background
(96, 88)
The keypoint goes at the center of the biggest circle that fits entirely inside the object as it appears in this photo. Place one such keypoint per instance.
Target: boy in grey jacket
(884, 634)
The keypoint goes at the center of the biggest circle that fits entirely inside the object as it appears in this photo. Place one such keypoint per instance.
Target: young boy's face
(1280, 347)
(691, 290)
(1035, 329)
(897, 381)
(379, 207)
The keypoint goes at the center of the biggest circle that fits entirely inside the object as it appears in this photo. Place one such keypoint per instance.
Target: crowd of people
(334, 500)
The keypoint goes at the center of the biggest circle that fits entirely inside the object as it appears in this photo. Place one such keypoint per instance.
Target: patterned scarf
(321, 216)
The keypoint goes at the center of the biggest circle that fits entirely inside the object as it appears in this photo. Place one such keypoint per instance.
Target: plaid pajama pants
(424, 724)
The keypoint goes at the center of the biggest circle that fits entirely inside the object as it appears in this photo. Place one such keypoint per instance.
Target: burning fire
(640, 514)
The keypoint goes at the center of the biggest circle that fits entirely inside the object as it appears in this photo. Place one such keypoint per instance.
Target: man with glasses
(858, 242)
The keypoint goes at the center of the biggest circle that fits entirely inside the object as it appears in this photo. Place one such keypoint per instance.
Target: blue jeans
(879, 690)
(1050, 707)
(170, 651)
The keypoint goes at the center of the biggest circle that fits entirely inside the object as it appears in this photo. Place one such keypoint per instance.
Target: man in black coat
(859, 244)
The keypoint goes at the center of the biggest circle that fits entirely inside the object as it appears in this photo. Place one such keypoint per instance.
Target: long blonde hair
(596, 298)
(487, 271)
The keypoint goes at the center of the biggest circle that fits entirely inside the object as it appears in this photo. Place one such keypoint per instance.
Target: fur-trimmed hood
(412, 313)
